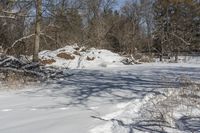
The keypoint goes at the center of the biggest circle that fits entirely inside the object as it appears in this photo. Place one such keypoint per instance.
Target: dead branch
(19, 40)
(9, 64)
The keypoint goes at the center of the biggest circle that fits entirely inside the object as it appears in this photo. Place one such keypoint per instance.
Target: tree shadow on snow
(115, 86)
(146, 126)
(190, 124)
(101, 86)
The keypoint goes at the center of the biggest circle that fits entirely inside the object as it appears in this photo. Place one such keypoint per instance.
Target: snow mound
(173, 111)
(75, 57)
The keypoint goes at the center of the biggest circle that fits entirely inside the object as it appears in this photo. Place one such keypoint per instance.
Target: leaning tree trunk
(38, 4)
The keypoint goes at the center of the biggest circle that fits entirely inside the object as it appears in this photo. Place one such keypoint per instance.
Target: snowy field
(103, 100)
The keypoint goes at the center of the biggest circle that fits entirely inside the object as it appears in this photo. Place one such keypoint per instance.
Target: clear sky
(119, 4)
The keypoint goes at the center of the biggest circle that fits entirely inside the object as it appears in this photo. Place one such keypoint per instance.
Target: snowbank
(75, 57)
(175, 110)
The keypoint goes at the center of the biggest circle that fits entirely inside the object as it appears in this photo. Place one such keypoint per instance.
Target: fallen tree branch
(12, 65)
(23, 71)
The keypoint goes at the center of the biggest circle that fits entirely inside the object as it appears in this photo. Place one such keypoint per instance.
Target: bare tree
(176, 23)
(38, 4)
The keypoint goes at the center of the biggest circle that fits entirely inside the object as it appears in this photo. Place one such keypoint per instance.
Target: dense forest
(153, 27)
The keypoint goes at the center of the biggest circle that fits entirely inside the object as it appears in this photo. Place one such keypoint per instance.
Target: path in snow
(71, 104)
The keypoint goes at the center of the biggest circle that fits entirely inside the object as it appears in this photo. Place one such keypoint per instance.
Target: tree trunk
(38, 5)
(176, 55)
(161, 53)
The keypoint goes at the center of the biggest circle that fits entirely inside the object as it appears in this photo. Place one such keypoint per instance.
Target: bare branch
(7, 17)
(9, 12)
(51, 38)
(19, 40)
(180, 38)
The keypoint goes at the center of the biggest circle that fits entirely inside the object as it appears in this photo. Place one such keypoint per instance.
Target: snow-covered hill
(78, 57)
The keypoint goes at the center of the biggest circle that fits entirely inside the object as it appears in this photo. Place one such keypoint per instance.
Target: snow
(99, 94)
(98, 58)
(109, 100)
(182, 60)
(189, 59)
(101, 58)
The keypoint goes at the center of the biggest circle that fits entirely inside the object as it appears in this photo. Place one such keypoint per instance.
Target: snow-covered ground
(182, 59)
(106, 100)
(99, 94)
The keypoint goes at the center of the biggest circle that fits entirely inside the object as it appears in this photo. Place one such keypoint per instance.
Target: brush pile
(22, 68)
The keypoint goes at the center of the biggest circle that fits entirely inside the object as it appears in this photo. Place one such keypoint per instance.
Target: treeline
(148, 26)
(176, 26)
